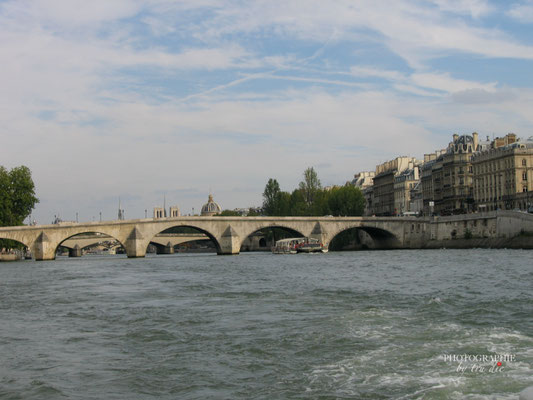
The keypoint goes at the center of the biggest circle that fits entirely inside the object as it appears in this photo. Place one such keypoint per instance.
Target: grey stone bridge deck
(228, 233)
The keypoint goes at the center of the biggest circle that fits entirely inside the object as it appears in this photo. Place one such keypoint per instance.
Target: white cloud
(367, 71)
(410, 28)
(481, 96)
(418, 82)
(71, 14)
(522, 12)
(445, 83)
(474, 8)
(248, 114)
(410, 88)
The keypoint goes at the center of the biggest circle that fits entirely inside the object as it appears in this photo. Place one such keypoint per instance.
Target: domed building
(210, 208)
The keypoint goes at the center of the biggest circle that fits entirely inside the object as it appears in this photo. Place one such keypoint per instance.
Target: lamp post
(527, 200)
(500, 190)
(528, 208)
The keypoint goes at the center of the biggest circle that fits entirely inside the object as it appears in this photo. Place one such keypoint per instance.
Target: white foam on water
(368, 378)
(494, 396)
(496, 340)
(435, 300)
(419, 392)
(506, 335)
(381, 367)
(453, 327)
(528, 352)
(447, 381)
(383, 312)
(424, 371)
(369, 332)
(354, 373)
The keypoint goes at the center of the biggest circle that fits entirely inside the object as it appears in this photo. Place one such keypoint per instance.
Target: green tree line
(310, 199)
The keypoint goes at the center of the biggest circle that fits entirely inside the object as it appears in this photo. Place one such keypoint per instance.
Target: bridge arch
(13, 238)
(12, 249)
(380, 238)
(107, 237)
(247, 244)
(196, 228)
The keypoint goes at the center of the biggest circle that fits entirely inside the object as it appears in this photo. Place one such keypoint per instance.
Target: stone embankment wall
(519, 242)
(505, 229)
(10, 257)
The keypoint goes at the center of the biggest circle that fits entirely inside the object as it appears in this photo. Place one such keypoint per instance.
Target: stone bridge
(228, 233)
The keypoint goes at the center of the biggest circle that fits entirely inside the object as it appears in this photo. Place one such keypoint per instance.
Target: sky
(154, 100)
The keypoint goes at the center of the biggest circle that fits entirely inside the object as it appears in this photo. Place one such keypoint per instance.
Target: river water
(352, 325)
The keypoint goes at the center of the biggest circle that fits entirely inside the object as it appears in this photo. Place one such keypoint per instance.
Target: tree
(5, 198)
(229, 213)
(310, 199)
(310, 185)
(320, 204)
(270, 196)
(283, 204)
(17, 195)
(254, 213)
(346, 201)
(298, 205)
(17, 199)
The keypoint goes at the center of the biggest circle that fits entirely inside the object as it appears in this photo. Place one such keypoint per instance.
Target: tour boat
(298, 245)
(287, 246)
(311, 247)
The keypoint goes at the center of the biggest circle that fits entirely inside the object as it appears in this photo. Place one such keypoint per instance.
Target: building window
(524, 189)
(524, 176)
(524, 162)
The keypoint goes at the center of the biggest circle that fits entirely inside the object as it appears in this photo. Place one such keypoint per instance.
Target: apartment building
(404, 183)
(503, 175)
(383, 192)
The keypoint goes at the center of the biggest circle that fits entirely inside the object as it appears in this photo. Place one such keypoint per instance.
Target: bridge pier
(43, 248)
(135, 245)
(168, 249)
(319, 234)
(75, 251)
(229, 243)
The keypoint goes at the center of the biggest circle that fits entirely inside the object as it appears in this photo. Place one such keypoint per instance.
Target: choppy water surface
(362, 325)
